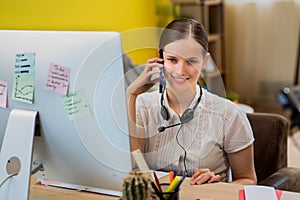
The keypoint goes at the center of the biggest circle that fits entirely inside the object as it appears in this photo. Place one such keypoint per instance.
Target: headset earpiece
(164, 113)
(187, 116)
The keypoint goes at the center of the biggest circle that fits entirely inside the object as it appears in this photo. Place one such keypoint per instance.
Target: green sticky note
(23, 88)
(76, 105)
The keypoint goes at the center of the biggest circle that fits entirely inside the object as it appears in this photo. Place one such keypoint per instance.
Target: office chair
(270, 152)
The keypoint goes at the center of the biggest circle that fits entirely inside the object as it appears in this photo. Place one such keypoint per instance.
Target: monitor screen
(75, 80)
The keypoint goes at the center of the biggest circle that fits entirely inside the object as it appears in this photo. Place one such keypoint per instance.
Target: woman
(185, 122)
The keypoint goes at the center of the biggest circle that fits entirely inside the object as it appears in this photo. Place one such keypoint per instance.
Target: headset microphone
(163, 128)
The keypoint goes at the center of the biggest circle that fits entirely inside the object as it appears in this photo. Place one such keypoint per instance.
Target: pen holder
(173, 195)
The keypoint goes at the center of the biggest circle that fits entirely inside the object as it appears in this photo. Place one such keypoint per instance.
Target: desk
(220, 191)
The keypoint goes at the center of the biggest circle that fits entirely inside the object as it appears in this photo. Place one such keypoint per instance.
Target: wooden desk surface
(220, 191)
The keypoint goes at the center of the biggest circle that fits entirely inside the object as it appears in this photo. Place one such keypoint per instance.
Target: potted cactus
(137, 186)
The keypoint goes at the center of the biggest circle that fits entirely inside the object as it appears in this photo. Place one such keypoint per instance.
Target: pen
(158, 193)
(180, 182)
(172, 186)
(171, 176)
(157, 181)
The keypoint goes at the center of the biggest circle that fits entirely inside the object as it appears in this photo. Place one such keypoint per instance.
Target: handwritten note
(3, 94)
(24, 64)
(76, 105)
(23, 85)
(58, 79)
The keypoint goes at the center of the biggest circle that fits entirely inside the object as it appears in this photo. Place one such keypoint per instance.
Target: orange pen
(171, 176)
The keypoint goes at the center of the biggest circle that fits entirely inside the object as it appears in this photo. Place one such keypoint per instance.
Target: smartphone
(161, 73)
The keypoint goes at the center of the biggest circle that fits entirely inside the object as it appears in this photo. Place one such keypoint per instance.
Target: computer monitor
(76, 83)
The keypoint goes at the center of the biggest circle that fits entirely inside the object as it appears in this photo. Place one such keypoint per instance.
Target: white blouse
(218, 127)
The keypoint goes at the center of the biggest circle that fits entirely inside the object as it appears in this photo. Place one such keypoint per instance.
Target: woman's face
(183, 61)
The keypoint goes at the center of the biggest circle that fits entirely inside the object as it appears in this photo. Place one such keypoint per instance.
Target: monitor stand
(16, 155)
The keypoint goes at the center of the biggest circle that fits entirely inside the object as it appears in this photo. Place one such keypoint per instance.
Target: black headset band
(199, 98)
(162, 103)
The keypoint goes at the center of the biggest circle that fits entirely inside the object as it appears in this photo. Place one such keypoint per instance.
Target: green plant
(232, 96)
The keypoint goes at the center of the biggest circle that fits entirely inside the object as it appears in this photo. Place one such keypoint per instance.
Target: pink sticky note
(58, 79)
(3, 94)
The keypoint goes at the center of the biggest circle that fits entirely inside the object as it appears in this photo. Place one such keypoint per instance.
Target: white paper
(140, 160)
(257, 192)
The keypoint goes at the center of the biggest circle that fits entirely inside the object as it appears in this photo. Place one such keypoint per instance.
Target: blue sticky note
(24, 64)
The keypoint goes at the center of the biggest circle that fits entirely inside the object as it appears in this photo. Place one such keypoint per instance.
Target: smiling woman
(210, 133)
(182, 66)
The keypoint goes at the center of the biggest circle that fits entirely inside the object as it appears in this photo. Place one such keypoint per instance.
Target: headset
(187, 115)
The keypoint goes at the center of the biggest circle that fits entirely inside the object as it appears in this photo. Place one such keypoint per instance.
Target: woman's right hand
(201, 176)
(143, 81)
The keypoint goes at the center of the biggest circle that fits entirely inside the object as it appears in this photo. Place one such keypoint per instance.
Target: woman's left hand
(201, 176)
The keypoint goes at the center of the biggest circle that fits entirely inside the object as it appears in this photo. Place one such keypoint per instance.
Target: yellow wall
(77, 14)
(115, 15)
